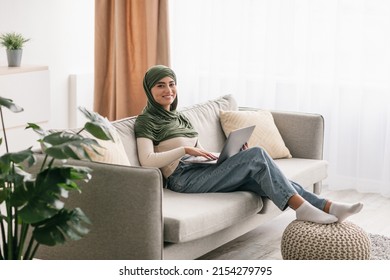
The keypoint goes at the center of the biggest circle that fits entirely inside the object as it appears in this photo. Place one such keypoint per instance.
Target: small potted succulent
(13, 42)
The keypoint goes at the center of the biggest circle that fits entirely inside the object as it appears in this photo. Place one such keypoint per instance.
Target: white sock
(307, 212)
(344, 210)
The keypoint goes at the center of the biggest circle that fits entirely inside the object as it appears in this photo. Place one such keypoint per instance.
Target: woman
(165, 137)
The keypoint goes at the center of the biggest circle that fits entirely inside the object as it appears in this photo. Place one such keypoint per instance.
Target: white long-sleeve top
(166, 155)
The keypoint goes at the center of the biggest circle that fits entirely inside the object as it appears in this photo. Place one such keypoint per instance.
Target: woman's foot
(344, 210)
(307, 212)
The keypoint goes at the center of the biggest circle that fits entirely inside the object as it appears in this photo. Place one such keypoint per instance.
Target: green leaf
(40, 131)
(61, 137)
(74, 173)
(98, 131)
(3, 194)
(15, 179)
(39, 201)
(79, 172)
(23, 156)
(64, 145)
(17, 157)
(61, 227)
(20, 195)
(41, 197)
(8, 103)
(98, 126)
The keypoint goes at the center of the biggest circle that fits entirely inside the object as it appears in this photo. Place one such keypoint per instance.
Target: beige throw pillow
(265, 135)
(110, 152)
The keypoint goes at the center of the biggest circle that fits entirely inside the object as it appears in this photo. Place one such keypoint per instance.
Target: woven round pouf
(337, 241)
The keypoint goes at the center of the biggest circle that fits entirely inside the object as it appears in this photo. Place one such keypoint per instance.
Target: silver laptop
(234, 143)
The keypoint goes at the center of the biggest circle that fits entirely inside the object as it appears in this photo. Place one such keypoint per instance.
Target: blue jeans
(249, 170)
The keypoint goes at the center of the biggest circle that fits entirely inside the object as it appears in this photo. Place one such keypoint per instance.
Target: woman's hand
(245, 147)
(193, 151)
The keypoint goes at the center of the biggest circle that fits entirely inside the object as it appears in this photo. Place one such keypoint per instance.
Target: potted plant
(32, 211)
(13, 42)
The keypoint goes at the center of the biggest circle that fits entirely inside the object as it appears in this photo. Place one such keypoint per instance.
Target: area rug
(380, 247)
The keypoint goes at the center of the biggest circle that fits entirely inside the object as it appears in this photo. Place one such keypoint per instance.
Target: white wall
(62, 38)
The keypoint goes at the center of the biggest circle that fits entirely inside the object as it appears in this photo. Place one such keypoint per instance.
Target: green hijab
(155, 122)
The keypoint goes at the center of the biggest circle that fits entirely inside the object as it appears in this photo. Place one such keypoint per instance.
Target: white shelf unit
(28, 87)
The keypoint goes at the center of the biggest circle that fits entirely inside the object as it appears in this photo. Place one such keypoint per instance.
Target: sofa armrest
(124, 205)
(303, 133)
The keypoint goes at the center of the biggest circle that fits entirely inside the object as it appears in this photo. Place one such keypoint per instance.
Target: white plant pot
(14, 57)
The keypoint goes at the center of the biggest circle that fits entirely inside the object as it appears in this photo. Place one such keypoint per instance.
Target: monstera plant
(32, 207)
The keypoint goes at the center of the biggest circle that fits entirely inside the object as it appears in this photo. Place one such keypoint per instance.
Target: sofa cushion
(306, 172)
(125, 129)
(191, 216)
(265, 135)
(188, 216)
(205, 119)
(109, 151)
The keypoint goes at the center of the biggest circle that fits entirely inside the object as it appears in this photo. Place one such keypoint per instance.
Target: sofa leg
(317, 187)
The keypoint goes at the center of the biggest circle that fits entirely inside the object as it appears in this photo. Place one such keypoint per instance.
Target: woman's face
(164, 92)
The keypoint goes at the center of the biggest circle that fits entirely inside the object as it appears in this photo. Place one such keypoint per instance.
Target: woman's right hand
(193, 151)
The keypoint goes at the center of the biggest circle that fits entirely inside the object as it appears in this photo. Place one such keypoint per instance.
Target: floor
(264, 242)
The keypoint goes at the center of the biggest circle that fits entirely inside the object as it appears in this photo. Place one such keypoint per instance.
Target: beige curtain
(130, 36)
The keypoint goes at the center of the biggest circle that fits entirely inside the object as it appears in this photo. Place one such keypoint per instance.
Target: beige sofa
(134, 217)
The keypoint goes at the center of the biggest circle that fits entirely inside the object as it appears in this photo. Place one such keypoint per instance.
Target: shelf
(5, 70)
(28, 87)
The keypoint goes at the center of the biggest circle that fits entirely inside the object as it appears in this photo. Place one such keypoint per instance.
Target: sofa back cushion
(204, 117)
(112, 152)
(125, 130)
(265, 135)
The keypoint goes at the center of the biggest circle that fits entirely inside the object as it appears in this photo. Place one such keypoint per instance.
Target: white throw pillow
(110, 152)
(265, 135)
